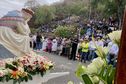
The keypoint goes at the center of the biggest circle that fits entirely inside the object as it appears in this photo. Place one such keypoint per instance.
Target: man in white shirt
(92, 49)
(100, 42)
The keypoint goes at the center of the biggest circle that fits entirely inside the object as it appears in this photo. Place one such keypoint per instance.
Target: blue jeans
(84, 56)
(110, 59)
(39, 45)
(92, 54)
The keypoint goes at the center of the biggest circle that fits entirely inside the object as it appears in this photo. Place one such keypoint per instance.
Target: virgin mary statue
(14, 34)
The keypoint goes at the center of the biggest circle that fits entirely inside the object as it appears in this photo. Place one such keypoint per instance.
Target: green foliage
(82, 32)
(44, 14)
(33, 30)
(64, 31)
(111, 8)
(104, 72)
(107, 74)
(99, 9)
(80, 71)
(11, 66)
(108, 7)
(69, 8)
(86, 79)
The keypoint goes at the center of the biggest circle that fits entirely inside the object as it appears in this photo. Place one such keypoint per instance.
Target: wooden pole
(121, 64)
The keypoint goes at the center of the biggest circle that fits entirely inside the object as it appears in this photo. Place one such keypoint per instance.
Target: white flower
(105, 50)
(98, 62)
(21, 69)
(5, 71)
(2, 73)
(95, 79)
(115, 36)
(91, 69)
(102, 51)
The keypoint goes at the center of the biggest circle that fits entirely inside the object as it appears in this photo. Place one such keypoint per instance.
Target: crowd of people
(75, 48)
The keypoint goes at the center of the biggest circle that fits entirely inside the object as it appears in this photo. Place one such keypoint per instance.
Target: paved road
(62, 64)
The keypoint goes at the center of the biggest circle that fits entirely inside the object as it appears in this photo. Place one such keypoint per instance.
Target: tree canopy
(65, 31)
(44, 14)
(83, 8)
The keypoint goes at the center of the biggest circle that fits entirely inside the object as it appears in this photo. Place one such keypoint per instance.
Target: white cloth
(34, 38)
(16, 43)
(100, 43)
(54, 45)
(92, 45)
(44, 45)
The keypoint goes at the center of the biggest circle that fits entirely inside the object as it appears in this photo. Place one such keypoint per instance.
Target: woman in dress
(54, 45)
(44, 45)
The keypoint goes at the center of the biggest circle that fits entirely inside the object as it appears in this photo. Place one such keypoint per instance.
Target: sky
(8, 5)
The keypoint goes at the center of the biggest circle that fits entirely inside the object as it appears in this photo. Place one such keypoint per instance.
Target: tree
(65, 31)
(108, 7)
(44, 14)
(72, 7)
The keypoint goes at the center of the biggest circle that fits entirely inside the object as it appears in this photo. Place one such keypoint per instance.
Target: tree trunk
(121, 64)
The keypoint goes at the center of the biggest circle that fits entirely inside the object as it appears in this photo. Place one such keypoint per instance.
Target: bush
(64, 31)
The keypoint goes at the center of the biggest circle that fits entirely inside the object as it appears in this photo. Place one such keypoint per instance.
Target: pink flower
(1, 73)
(2, 63)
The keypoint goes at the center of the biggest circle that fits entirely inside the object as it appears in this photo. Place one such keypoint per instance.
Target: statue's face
(26, 15)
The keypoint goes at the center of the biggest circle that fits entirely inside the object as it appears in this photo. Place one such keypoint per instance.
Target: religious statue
(14, 33)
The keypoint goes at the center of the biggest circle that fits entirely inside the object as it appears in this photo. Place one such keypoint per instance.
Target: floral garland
(23, 68)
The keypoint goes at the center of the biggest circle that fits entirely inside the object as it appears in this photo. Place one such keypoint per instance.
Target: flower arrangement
(115, 36)
(99, 71)
(23, 68)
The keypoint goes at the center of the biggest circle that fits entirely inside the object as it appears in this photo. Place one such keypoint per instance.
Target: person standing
(92, 49)
(54, 45)
(74, 48)
(59, 47)
(68, 45)
(44, 45)
(34, 41)
(100, 42)
(63, 44)
(49, 45)
(38, 42)
(79, 49)
(85, 49)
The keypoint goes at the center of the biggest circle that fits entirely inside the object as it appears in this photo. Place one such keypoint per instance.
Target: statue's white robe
(16, 43)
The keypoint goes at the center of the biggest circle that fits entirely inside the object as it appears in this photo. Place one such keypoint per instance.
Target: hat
(27, 10)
